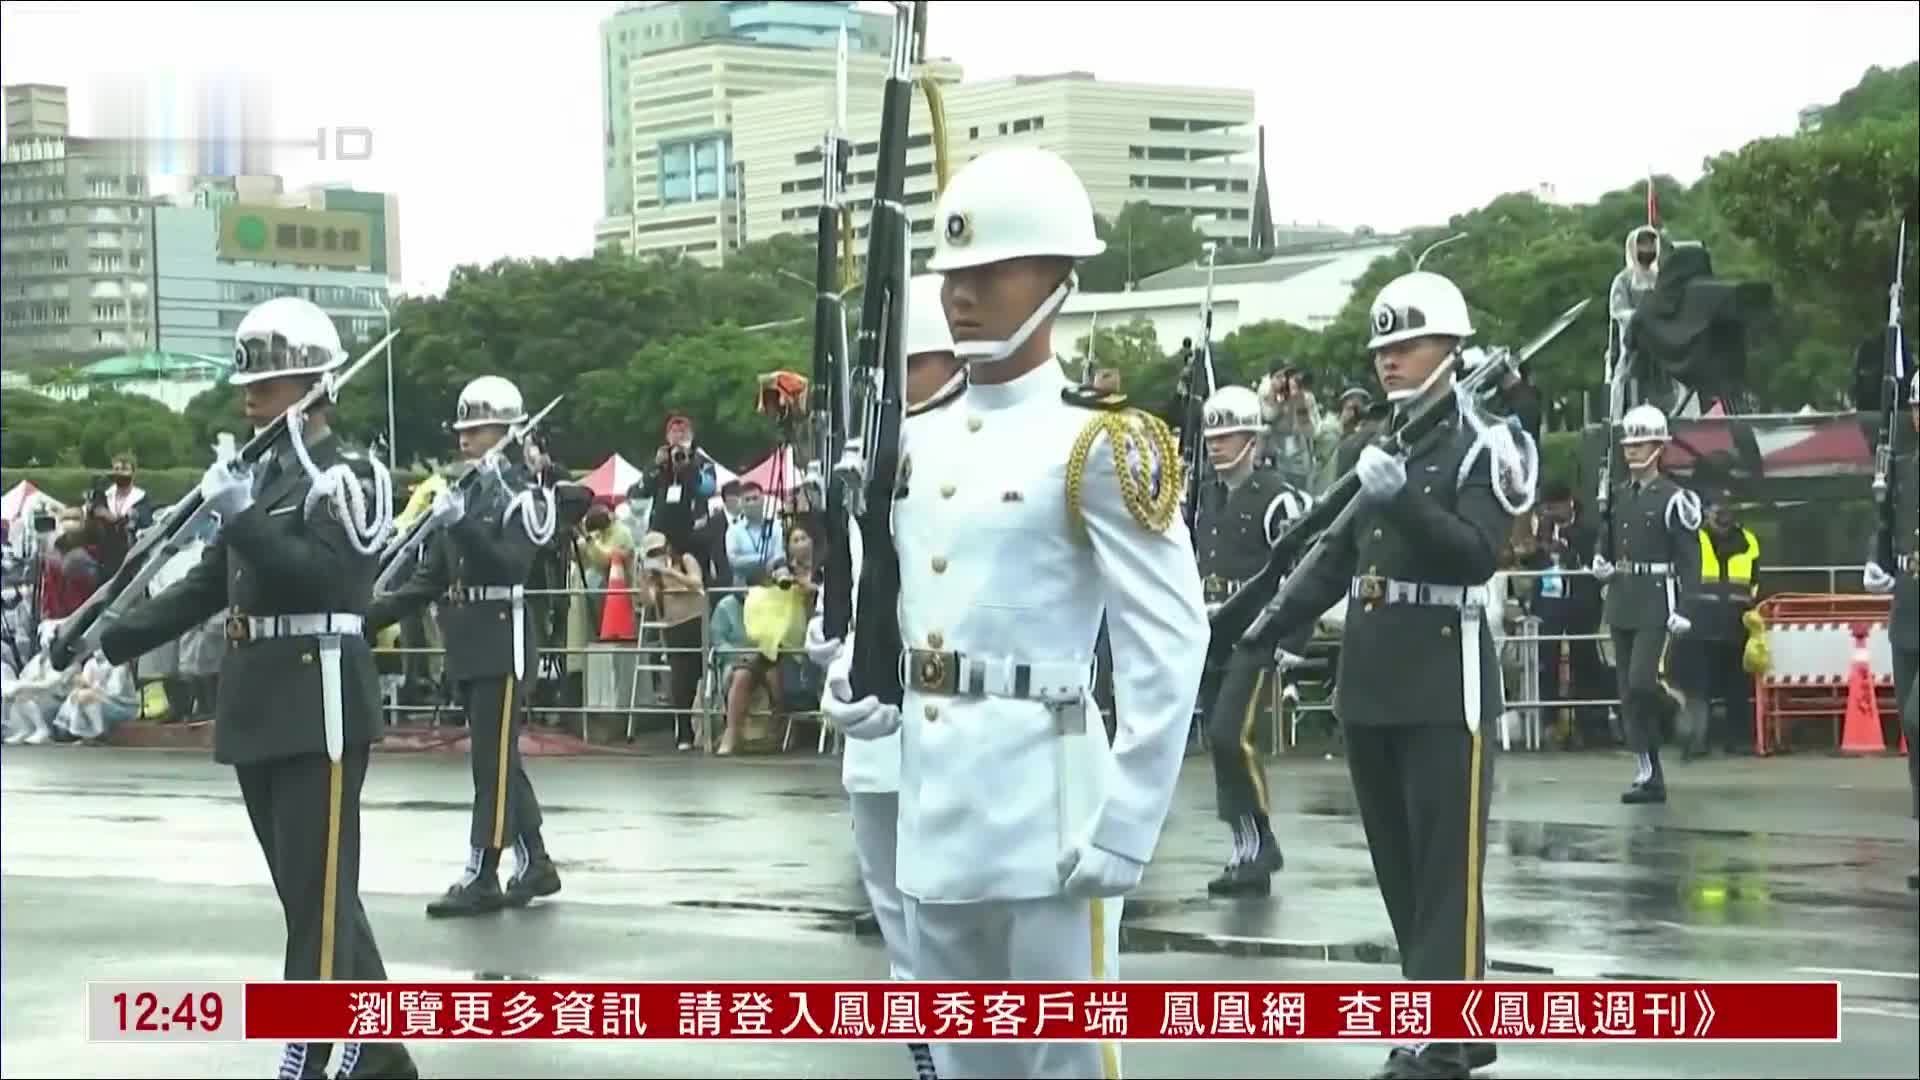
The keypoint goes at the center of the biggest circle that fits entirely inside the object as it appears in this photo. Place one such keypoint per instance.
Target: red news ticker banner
(946, 1012)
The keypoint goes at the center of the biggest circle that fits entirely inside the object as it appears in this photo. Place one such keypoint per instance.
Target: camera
(679, 456)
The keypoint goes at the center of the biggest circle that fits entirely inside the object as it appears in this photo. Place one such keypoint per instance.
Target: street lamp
(1421, 261)
(386, 327)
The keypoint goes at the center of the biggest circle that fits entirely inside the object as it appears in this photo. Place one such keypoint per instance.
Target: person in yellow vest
(1706, 664)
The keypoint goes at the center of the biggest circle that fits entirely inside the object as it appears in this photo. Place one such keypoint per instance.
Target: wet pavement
(140, 865)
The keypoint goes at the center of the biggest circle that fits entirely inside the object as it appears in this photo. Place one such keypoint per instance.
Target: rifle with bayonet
(829, 389)
(80, 632)
(869, 468)
(1885, 493)
(1247, 615)
(1200, 387)
(394, 559)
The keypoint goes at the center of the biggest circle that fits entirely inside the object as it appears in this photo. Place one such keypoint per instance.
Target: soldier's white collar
(1045, 381)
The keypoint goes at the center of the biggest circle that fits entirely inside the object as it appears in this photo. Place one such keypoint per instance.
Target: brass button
(974, 423)
(1428, 489)
(932, 714)
(939, 564)
(935, 641)
(1371, 605)
(306, 658)
(1376, 534)
(946, 491)
(1373, 570)
(1446, 631)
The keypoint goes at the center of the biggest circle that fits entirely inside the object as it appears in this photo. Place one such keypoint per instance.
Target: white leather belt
(243, 628)
(1648, 569)
(1380, 590)
(475, 594)
(1909, 563)
(960, 675)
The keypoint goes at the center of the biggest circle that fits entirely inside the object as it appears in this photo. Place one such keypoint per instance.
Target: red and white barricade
(1810, 646)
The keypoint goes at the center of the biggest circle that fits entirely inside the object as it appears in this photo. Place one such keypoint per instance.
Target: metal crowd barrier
(1527, 707)
(710, 698)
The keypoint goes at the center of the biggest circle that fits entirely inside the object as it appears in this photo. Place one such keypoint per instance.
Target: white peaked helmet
(1012, 203)
(927, 330)
(1232, 410)
(285, 336)
(1417, 305)
(489, 400)
(1643, 424)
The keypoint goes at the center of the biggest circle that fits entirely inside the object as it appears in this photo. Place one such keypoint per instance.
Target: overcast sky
(486, 116)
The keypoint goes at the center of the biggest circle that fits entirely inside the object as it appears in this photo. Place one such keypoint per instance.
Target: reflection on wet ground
(1753, 869)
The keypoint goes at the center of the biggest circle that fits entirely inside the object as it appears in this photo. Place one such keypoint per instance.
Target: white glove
(48, 628)
(1286, 660)
(226, 492)
(1381, 474)
(863, 719)
(1877, 580)
(1086, 870)
(1602, 569)
(448, 508)
(1678, 623)
(819, 650)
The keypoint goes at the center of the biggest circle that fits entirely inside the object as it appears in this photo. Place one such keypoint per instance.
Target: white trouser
(876, 828)
(1055, 939)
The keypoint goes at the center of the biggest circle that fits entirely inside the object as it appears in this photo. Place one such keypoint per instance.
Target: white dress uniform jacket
(872, 766)
(996, 571)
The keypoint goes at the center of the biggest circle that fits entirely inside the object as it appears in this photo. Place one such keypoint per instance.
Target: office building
(217, 262)
(688, 179)
(1190, 149)
(642, 30)
(74, 240)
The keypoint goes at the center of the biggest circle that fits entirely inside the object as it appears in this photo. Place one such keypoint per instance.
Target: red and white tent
(775, 474)
(611, 480)
(23, 499)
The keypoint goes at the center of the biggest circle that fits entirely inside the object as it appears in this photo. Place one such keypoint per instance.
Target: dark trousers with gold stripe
(1239, 777)
(504, 806)
(289, 800)
(1639, 659)
(1906, 688)
(1424, 791)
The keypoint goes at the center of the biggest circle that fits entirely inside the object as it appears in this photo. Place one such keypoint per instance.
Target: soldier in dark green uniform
(1419, 681)
(299, 698)
(1649, 557)
(475, 570)
(1903, 581)
(1242, 511)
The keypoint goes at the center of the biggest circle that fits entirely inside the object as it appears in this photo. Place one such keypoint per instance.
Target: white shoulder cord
(367, 532)
(538, 514)
(1513, 459)
(1684, 508)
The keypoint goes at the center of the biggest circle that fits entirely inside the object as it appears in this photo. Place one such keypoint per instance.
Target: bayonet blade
(840, 89)
(1553, 330)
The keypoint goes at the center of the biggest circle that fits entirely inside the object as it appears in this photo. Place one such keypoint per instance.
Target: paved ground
(140, 865)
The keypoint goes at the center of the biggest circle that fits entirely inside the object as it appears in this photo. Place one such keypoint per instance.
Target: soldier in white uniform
(1026, 509)
(870, 768)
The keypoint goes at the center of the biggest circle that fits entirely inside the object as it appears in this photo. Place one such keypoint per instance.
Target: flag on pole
(1653, 201)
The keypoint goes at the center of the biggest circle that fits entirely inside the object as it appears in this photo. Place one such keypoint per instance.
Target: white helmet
(1416, 305)
(1231, 410)
(927, 330)
(285, 336)
(489, 400)
(1011, 203)
(1643, 424)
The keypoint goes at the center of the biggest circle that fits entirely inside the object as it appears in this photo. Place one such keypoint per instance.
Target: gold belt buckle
(1373, 587)
(1215, 589)
(239, 630)
(934, 672)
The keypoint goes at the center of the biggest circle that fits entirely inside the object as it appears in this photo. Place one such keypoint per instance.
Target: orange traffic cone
(1861, 732)
(616, 621)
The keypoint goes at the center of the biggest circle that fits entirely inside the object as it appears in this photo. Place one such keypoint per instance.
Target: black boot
(1650, 785)
(476, 893)
(377, 1061)
(299, 1062)
(1432, 1061)
(1256, 859)
(533, 881)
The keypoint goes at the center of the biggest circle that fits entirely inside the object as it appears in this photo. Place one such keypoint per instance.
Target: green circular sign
(250, 232)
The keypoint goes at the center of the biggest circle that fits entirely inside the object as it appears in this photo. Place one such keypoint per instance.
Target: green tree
(1142, 240)
(1147, 375)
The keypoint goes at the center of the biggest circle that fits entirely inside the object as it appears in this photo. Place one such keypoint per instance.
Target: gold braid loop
(1141, 445)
